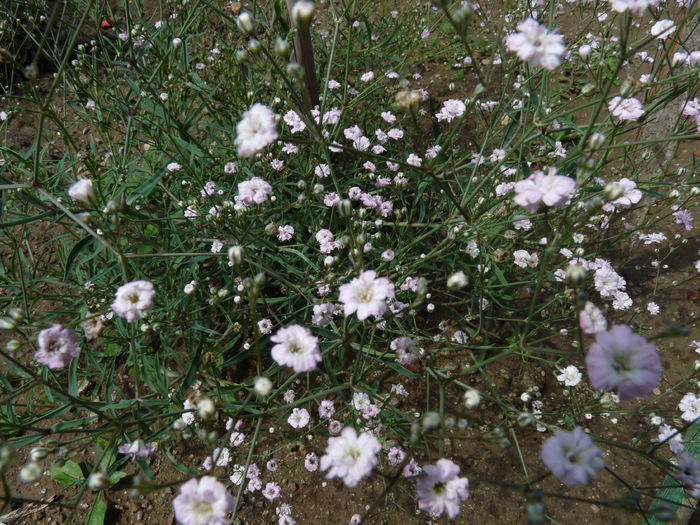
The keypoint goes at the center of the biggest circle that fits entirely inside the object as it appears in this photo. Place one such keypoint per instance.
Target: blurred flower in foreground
(572, 456)
(623, 361)
(57, 346)
(203, 502)
(536, 45)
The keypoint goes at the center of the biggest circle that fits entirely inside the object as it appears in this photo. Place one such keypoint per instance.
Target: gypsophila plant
(451, 272)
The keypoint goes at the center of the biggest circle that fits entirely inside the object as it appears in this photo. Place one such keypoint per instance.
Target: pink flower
(296, 347)
(136, 449)
(440, 491)
(57, 346)
(253, 191)
(132, 299)
(626, 108)
(366, 295)
(451, 109)
(300, 418)
(550, 189)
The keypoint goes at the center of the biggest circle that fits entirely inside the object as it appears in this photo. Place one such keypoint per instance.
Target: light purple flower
(311, 462)
(57, 346)
(440, 490)
(132, 299)
(203, 502)
(326, 409)
(350, 457)
(296, 347)
(366, 295)
(550, 189)
(271, 491)
(136, 449)
(623, 361)
(688, 471)
(572, 456)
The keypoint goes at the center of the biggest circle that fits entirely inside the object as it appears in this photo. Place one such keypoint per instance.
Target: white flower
(132, 299)
(173, 166)
(570, 376)
(366, 295)
(299, 418)
(262, 386)
(536, 45)
(256, 130)
(663, 29)
(350, 457)
(635, 6)
(82, 190)
(296, 347)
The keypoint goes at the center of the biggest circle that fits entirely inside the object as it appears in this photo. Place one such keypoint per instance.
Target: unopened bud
(7, 323)
(461, 14)
(13, 345)
(259, 280)
(30, 472)
(575, 275)
(245, 23)
(302, 12)
(38, 453)
(457, 280)
(98, 481)
(236, 254)
(262, 386)
(344, 207)
(408, 99)
(472, 398)
(17, 314)
(206, 409)
(282, 48)
(254, 45)
(241, 56)
(295, 71)
(627, 89)
(613, 191)
(596, 140)
(431, 420)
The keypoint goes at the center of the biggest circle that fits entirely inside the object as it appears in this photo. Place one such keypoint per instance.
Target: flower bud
(13, 345)
(302, 12)
(30, 472)
(262, 386)
(259, 279)
(457, 280)
(7, 455)
(408, 99)
(461, 14)
(344, 207)
(282, 48)
(585, 51)
(575, 275)
(236, 254)
(17, 314)
(38, 453)
(295, 71)
(596, 140)
(7, 323)
(472, 398)
(613, 191)
(627, 89)
(206, 409)
(254, 45)
(97, 481)
(431, 420)
(245, 23)
(241, 56)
